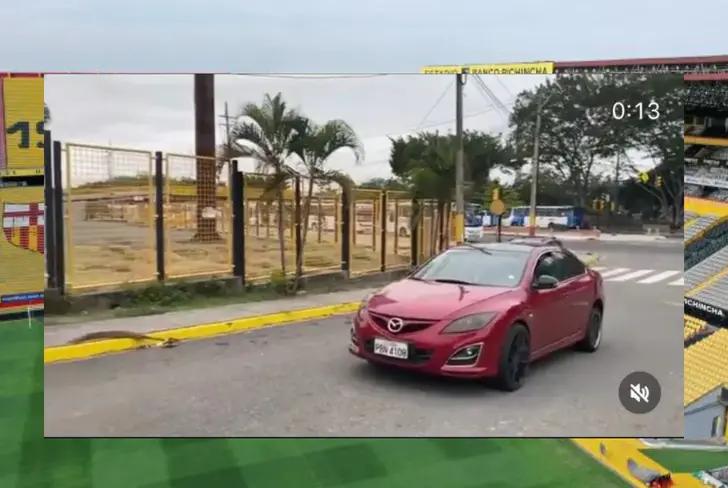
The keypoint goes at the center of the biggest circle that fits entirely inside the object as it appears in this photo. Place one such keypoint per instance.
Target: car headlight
(469, 323)
(363, 305)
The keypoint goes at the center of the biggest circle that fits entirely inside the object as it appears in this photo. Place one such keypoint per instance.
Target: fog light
(354, 340)
(466, 355)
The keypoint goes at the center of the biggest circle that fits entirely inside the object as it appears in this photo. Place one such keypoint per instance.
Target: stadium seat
(692, 327)
(706, 366)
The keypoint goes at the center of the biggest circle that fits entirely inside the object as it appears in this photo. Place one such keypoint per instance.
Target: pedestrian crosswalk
(641, 276)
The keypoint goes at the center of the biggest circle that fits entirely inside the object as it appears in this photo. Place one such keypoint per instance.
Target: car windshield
(472, 267)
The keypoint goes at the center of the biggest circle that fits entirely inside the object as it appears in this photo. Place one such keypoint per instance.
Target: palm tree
(314, 144)
(265, 132)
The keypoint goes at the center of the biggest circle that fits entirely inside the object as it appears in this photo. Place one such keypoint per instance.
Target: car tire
(514, 360)
(593, 336)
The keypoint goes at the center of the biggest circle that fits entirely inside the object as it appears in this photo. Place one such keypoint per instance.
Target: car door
(579, 289)
(548, 306)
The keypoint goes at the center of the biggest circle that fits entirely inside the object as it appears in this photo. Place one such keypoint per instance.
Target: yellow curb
(617, 453)
(89, 349)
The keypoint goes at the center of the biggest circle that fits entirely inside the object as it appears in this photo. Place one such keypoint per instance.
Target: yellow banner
(24, 113)
(539, 68)
(543, 68)
(442, 70)
(22, 248)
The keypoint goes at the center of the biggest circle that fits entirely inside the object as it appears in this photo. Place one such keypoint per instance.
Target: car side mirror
(545, 282)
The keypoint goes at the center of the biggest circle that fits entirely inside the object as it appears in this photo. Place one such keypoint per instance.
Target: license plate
(392, 349)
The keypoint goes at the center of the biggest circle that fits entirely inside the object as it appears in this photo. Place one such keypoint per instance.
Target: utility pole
(459, 163)
(534, 168)
(226, 124)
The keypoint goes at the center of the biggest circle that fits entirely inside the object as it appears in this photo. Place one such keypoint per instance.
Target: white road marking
(614, 272)
(597, 268)
(659, 276)
(632, 275)
(680, 282)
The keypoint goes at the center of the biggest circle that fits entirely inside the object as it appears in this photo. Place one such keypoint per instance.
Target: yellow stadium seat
(692, 326)
(706, 365)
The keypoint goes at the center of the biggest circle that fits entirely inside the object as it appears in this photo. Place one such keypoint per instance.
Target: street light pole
(459, 163)
(534, 173)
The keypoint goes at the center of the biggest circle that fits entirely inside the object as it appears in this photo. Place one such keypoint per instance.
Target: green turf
(688, 460)
(29, 461)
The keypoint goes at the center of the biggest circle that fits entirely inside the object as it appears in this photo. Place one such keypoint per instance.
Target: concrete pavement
(55, 335)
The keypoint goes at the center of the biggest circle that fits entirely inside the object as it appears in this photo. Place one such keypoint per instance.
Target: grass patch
(688, 460)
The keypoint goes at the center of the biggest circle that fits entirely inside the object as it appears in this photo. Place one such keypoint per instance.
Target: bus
(552, 217)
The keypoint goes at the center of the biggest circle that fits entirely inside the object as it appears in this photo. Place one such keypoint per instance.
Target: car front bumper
(427, 353)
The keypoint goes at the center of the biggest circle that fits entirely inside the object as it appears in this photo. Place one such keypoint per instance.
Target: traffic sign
(497, 207)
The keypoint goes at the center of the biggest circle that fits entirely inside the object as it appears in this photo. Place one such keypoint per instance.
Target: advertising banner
(22, 107)
(22, 248)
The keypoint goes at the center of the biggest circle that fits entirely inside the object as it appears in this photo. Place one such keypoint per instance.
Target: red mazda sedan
(483, 311)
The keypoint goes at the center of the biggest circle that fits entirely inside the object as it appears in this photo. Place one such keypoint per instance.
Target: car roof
(524, 245)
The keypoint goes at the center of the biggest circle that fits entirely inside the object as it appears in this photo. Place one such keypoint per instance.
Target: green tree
(385, 184)
(266, 133)
(315, 144)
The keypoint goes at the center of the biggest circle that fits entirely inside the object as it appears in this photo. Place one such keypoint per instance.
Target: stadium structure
(706, 256)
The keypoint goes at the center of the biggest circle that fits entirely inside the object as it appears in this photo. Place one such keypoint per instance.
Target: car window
(496, 268)
(573, 266)
(547, 265)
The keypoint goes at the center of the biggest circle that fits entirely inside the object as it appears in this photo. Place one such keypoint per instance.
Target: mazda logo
(395, 324)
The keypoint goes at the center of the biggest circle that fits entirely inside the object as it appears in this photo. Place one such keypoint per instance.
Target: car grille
(410, 325)
(414, 356)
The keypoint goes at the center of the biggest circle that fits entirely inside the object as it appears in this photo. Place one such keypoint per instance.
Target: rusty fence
(125, 216)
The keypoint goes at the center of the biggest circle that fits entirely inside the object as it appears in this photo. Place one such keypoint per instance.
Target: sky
(156, 112)
(339, 36)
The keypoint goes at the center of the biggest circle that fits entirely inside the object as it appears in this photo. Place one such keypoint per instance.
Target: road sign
(497, 207)
(644, 177)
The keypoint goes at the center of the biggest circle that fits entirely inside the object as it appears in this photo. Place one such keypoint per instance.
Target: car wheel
(514, 359)
(593, 337)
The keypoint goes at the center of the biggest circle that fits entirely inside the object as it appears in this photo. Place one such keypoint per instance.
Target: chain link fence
(109, 216)
(132, 216)
(197, 216)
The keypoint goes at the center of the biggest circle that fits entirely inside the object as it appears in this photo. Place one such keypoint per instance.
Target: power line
(490, 95)
(437, 102)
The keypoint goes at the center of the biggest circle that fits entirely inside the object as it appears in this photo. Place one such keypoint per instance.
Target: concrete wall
(699, 418)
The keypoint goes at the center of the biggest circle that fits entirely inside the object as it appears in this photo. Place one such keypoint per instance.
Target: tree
(426, 162)
(576, 128)
(266, 133)
(662, 140)
(380, 183)
(314, 145)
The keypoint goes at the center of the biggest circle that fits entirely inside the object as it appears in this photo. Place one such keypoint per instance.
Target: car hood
(429, 300)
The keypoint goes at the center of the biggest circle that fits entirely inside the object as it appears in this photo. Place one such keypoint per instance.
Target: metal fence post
(346, 231)
(159, 213)
(49, 230)
(383, 251)
(415, 233)
(237, 199)
(59, 235)
(297, 226)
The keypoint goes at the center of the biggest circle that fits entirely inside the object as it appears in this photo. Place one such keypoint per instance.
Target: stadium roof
(687, 60)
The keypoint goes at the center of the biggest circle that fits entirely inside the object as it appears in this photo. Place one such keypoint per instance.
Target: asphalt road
(300, 380)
